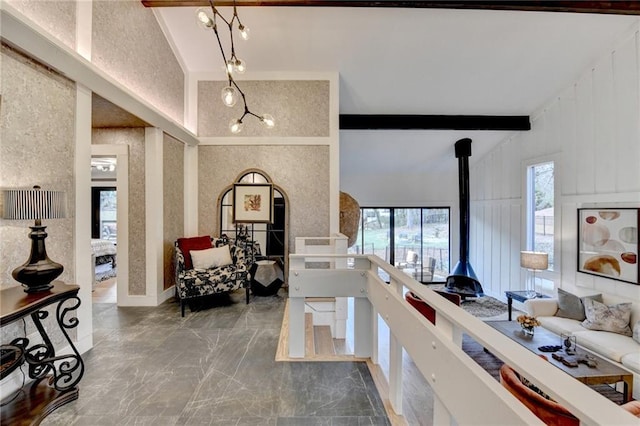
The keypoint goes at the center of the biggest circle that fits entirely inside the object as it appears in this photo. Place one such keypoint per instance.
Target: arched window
(272, 237)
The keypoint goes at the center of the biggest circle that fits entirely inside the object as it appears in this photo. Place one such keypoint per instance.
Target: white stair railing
(331, 312)
(464, 393)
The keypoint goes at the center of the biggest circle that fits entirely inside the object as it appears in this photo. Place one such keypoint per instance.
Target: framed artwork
(252, 203)
(608, 243)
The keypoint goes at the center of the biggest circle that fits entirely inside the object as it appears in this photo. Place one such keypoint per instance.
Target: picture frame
(608, 243)
(252, 203)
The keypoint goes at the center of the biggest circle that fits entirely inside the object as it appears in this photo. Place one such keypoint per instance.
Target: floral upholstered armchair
(206, 266)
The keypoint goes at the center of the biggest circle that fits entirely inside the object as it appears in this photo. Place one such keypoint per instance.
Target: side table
(520, 296)
(266, 277)
(55, 377)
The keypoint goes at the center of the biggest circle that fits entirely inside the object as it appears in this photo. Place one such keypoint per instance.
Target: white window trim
(554, 275)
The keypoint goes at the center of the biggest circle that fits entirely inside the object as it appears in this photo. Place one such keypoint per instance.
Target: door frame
(121, 152)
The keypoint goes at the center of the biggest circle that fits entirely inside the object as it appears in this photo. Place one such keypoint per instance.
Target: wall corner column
(154, 217)
(82, 235)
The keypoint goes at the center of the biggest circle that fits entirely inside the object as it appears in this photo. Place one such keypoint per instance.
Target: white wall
(592, 131)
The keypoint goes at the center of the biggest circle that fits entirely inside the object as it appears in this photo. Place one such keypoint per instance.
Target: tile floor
(213, 367)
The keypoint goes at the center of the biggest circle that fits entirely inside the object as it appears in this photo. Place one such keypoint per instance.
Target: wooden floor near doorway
(105, 291)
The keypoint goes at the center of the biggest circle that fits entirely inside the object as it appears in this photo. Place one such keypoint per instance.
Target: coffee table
(605, 371)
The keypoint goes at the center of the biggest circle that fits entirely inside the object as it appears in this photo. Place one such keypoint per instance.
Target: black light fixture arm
(232, 61)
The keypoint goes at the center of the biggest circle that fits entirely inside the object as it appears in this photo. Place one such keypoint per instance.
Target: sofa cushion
(632, 361)
(194, 243)
(572, 306)
(609, 345)
(559, 325)
(613, 318)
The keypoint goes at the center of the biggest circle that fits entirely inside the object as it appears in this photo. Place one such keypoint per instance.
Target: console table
(55, 377)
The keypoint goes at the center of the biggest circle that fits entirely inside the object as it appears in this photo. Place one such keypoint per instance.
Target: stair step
(309, 341)
(323, 340)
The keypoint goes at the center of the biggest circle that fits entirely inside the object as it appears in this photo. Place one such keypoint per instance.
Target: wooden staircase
(318, 338)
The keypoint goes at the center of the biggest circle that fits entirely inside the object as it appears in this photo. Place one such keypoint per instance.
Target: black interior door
(275, 231)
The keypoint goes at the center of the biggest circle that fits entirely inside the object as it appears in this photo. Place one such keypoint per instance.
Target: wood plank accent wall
(592, 131)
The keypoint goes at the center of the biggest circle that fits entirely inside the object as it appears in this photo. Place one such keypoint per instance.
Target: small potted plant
(528, 323)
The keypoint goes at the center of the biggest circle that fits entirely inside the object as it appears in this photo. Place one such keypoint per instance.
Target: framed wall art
(253, 203)
(608, 243)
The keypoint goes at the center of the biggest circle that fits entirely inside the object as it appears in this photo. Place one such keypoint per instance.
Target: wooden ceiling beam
(434, 122)
(604, 7)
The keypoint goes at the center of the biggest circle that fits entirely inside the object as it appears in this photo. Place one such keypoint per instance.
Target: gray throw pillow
(571, 306)
(613, 318)
(636, 331)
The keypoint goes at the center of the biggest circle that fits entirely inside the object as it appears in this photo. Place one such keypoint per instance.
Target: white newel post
(296, 313)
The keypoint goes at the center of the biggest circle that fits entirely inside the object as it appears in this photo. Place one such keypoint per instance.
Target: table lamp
(536, 261)
(38, 271)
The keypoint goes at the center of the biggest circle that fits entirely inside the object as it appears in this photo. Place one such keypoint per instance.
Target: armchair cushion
(211, 258)
(186, 245)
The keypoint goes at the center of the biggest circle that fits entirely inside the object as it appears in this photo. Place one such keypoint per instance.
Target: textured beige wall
(56, 17)
(133, 137)
(173, 192)
(301, 171)
(300, 108)
(37, 114)
(37, 118)
(129, 45)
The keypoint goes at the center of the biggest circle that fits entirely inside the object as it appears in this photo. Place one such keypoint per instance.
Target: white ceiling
(414, 61)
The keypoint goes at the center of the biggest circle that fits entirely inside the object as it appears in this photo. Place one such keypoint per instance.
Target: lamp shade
(24, 204)
(534, 260)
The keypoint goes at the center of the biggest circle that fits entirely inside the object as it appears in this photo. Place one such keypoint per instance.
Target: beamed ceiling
(609, 7)
(505, 59)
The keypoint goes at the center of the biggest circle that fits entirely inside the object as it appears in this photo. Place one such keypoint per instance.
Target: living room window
(415, 240)
(540, 209)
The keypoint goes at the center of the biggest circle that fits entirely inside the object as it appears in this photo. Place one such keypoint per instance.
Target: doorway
(109, 222)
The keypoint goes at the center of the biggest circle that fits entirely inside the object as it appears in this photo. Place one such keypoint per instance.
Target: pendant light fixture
(208, 19)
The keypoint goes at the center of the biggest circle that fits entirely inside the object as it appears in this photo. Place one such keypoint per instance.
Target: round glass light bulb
(229, 96)
(268, 120)
(235, 126)
(205, 17)
(239, 66)
(244, 32)
(230, 66)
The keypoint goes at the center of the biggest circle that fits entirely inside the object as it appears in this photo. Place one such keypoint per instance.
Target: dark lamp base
(36, 277)
(39, 271)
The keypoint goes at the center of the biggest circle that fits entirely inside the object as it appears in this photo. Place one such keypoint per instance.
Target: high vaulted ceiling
(413, 61)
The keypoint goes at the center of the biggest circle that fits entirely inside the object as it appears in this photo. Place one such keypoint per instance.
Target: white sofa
(620, 349)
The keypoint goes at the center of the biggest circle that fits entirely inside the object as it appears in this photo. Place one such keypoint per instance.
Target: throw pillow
(636, 331)
(571, 306)
(193, 243)
(211, 258)
(222, 256)
(613, 318)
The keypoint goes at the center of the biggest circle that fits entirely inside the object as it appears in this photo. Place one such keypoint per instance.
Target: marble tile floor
(212, 367)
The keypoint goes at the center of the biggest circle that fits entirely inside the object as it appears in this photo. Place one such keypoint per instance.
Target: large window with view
(415, 240)
(540, 219)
